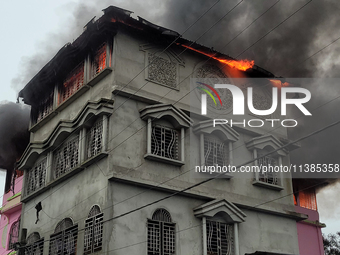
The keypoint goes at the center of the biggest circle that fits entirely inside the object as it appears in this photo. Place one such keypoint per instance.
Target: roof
(114, 18)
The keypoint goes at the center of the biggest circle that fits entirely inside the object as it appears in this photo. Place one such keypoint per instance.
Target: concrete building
(113, 142)
(10, 215)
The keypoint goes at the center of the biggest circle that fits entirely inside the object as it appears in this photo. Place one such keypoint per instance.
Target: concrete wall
(74, 196)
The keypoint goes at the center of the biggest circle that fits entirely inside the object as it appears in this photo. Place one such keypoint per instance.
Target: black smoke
(14, 136)
(288, 50)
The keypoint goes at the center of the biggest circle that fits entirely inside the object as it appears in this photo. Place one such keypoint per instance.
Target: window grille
(95, 139)
(99, 60)
(307, 199)
(73, 82)
(67, 157)
(215, 152)
(268, 177)
(36, 176)
(161, 234)
(45, 107)
(64, 242)
(220, 239)
(14, 235)
(164, 142)
(93, 239)
(35, 245)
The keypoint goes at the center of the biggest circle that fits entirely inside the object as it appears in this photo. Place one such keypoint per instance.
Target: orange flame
(242, 65)
(279, 83)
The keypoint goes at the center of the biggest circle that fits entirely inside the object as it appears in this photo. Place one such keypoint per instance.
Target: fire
(242, 65)
(279, 83)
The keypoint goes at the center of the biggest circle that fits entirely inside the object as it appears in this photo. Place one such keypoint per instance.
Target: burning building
(107, 169)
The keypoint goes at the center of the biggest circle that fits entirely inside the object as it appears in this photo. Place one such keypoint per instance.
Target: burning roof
(114, 19)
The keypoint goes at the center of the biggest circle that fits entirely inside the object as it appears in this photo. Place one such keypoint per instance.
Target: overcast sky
(33, 31)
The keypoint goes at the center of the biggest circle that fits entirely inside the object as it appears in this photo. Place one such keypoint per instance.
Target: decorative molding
(63, 129)
(207, 127)
(229, 211)
(177, 117)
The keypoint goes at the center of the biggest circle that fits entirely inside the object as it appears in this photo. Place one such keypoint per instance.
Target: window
(44, 108)
(164, 142)
(161, 233)
(73, 82)
(215, 145)
(36, 176)
(35, 245)
(165, 133)
(268, 177)
(13, 235)
(95, 139)
(219, 238)
(99, 60)
(93, 240)
(220, 221)
(64, 239)
(67, 157)
(307, 199)
(267, 154)
(216, 152)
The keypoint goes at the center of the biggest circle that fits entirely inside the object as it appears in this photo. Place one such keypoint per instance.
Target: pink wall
(10, 213)
(309, 233)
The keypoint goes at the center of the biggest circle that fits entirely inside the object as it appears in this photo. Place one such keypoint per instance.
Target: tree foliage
(331, 244)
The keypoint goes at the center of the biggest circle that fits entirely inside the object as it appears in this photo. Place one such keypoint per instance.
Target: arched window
(161, 233)
(14, 235)
(93, 239)
(35, 244)
(64, 239)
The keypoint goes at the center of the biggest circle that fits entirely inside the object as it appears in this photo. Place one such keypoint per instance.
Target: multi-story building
(113, 138)
(10, 215)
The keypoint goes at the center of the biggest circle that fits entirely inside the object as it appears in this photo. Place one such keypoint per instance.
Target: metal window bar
(99, 60)
(215, 152)
(36, 177)
(93, 239)
(67, 157)
(219, 238)
(161, 238)
(64, 242)
(45, 107)
(95, 139)
(268, 177)
(73, 82)
(13, 235)
(164, 142)
(37, 248)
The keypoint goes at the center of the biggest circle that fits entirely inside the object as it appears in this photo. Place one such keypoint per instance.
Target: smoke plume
(14, 136)
(288, 50)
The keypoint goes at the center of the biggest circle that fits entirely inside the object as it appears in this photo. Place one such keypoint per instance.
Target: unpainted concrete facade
(120, 179)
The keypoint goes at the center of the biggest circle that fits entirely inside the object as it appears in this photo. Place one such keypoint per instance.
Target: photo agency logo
(238, 104)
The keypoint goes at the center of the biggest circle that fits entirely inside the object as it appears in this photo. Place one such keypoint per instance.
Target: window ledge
(97, 78)
(71, 99)
(42, 122)
(164, 160)
(94, 159)
(65, 176)
(268, 185)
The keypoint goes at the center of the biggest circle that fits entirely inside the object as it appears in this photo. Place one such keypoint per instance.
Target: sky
(33, 31)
